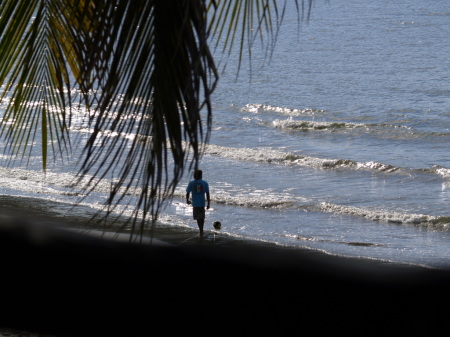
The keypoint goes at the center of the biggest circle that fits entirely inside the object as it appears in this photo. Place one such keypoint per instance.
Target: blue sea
(338, 141)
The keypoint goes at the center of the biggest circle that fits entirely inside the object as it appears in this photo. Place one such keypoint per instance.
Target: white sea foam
(281, 157)
(442, 171)
(387, 216)
(312, 125)
(36, 181)
(233, 196)
(256, 108)
(270, 156)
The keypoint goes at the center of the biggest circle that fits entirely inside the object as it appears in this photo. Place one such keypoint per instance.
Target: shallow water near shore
(340, 144)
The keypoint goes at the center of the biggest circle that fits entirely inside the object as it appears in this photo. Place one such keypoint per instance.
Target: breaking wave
(256, 108)
(315, 121)
(59, 187)
(303, 125)
(268, 199)
(387, 216)
(312, 125)
(439, 170)
(281, 157)
(51, 183)
(233, 196)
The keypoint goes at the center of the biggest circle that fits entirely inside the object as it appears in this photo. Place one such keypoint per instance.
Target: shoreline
(188, 237)
(41, 213)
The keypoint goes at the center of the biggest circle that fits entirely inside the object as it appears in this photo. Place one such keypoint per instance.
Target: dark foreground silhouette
(65, 284)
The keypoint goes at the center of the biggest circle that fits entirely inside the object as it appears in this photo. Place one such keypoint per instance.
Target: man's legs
(199, 215)
(200, 223)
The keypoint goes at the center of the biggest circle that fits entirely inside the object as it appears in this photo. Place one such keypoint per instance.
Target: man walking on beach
(199, 188)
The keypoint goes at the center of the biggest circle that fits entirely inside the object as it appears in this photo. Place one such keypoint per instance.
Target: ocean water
(339, 142)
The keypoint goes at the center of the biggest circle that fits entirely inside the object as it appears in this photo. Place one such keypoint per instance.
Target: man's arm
(208, 199)
(187, 198)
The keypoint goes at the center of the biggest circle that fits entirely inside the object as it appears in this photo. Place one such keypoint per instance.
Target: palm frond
(153, 79)
(143, 67)
(34, 55)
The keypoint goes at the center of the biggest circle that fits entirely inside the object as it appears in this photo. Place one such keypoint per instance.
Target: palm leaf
(33, 63)
(153, 74)
(143, 67)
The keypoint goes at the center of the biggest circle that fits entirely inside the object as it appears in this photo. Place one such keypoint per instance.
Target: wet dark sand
(62, 283)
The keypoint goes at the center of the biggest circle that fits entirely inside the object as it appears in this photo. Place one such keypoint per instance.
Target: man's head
(198, 174)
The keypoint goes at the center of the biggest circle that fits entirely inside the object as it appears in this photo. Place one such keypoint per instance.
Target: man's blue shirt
(198, 188)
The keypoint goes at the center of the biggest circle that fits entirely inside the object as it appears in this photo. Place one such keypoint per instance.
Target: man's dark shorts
(198, 213)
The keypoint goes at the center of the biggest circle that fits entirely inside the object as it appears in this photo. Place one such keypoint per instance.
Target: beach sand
(57, 282)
